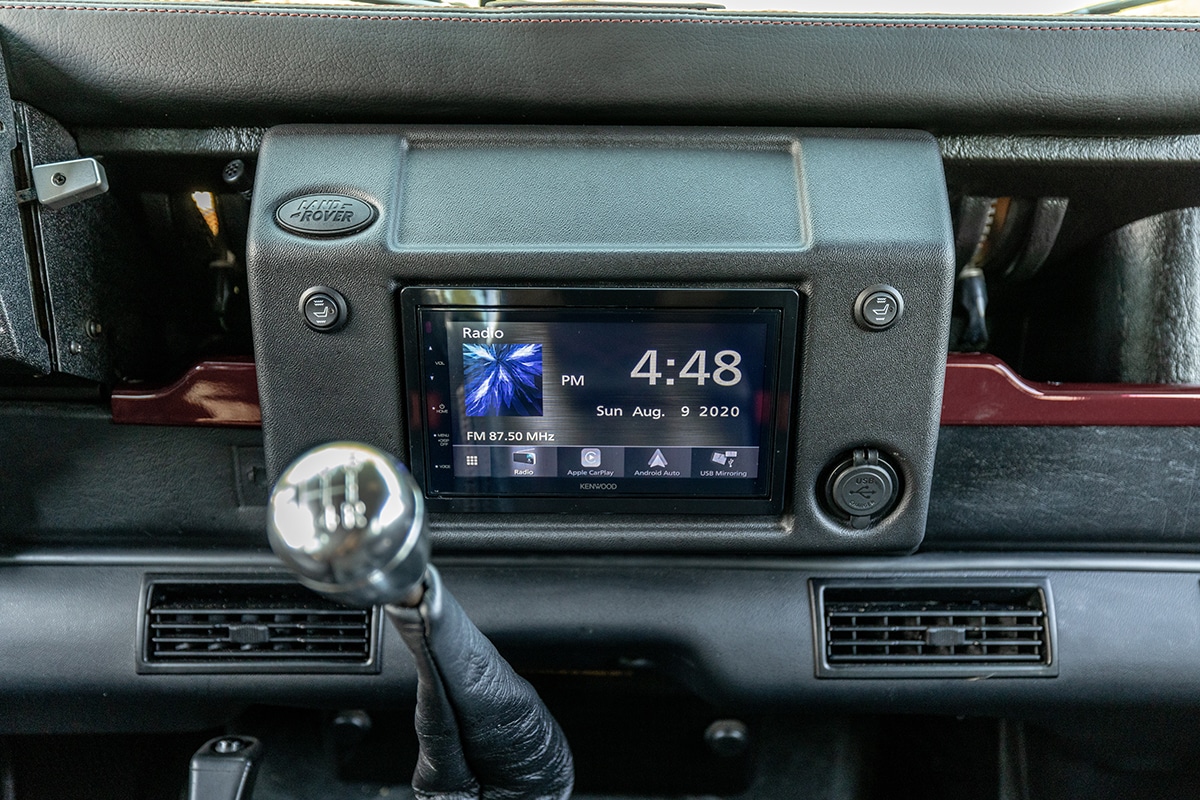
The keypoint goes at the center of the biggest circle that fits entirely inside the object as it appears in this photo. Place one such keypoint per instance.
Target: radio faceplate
(684, 221)
(595, 399)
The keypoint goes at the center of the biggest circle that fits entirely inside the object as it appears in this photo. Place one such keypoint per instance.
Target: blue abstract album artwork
(503, 380)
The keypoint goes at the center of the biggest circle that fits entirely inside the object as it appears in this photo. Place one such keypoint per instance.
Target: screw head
(58, 178)
(234, 171)
(727, 737)
(230, 745)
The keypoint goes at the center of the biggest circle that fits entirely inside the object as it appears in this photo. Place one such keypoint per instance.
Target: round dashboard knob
(349, 521)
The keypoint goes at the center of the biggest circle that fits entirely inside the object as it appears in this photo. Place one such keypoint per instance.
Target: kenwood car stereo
(535, 399)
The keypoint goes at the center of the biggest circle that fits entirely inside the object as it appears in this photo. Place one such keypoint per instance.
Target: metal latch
(63, 183)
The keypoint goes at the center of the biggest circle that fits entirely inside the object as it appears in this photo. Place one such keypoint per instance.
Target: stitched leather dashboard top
(197, 65)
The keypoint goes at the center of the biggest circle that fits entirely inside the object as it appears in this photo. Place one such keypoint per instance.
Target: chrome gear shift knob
(349, 521)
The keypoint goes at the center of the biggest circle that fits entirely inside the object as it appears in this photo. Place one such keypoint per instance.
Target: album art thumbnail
(503, 380)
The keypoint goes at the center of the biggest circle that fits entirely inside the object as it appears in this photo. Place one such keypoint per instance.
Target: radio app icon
(590, 457)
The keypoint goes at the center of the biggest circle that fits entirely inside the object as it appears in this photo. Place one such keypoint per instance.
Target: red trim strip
(983, 390)
(218, 393)
(980, 390)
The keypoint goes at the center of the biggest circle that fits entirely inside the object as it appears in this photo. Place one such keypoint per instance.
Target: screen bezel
(787, 301)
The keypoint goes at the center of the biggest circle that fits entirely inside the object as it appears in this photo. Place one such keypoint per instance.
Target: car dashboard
(806, 405)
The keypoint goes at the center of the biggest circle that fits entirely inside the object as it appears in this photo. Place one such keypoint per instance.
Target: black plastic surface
(1128, 634)
(1041, 488)
(225, 769)
(23, 347)
(72, 477)
(156, 142)
(872, 210)
(94, 268)
(1053, 488)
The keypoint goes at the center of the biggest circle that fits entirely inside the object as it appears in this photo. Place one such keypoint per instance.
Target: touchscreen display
(596, 402)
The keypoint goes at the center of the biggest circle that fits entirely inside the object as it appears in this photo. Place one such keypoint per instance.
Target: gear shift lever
(349, 521)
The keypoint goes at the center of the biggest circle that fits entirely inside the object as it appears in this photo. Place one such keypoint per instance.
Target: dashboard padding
(202, 65)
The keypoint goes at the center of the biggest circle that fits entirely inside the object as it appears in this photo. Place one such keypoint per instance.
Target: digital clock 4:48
(725, 368)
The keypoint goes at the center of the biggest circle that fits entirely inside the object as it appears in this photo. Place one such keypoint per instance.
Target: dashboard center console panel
(592, 338)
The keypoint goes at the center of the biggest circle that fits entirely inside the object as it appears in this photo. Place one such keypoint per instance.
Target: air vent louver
(252, 627)
(925, 630)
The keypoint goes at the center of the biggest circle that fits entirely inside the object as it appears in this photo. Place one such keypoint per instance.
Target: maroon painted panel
(983, 390)
(220, 393)
(980, 390)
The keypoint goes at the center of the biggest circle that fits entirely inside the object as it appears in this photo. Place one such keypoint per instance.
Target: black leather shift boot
(484, 733)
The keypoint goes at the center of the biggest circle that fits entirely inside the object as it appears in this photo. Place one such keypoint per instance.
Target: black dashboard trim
(1125, 637)
(265, 563)
(856, 389)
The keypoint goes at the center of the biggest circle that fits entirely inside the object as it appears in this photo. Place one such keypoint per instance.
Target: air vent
(252, 626)
(906, 630)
